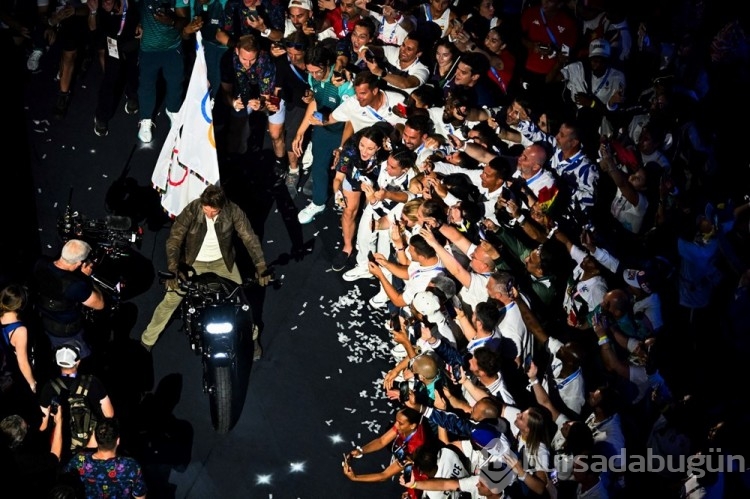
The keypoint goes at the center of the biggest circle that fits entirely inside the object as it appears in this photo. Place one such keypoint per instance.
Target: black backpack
(81, 418)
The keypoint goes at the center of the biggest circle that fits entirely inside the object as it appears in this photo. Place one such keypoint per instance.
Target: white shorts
(279, 116)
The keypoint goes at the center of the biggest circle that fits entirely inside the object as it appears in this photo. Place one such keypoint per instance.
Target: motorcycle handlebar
(184, 282)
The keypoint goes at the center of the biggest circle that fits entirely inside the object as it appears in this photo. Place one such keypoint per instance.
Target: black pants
(119, 74)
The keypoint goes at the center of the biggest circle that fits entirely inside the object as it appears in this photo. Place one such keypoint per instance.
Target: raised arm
(541, 395)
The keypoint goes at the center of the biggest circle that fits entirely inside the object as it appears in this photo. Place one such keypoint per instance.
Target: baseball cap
(301, 4)
(599, 47)
(67, 355)
(637, 279)
(426, 303)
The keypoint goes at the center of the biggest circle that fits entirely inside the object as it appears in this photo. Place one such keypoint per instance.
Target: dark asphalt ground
(313, 395)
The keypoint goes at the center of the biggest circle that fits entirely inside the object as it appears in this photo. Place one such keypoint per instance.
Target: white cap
(67, 356)
(599, 48)
(428, 304)
(301, 4)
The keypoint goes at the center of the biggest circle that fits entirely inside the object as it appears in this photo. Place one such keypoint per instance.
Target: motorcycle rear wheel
(221, 397)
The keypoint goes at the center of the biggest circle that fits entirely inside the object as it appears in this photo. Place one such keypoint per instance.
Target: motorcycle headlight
(219, 327)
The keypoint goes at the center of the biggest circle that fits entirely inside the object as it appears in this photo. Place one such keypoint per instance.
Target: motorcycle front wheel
(221, 397)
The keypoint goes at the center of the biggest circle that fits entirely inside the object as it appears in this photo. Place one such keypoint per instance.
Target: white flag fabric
(188, 162)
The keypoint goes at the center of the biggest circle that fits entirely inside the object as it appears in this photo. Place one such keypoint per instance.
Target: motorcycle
(218, 321)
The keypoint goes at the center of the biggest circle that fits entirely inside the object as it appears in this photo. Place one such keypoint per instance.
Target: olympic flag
(188, 162)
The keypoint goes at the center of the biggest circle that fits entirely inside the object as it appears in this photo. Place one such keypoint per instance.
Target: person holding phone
(357, 169)
(408, 433)
(389, 190)
(326, 92)
(248, 76)
(292, 81)
(262, 18)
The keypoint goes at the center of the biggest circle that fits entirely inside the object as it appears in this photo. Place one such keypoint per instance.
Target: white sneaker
(32, 63)
(357, 273)
(380, 300)
(172, 117)
(308, 212)
(307, 158)
(144, 131)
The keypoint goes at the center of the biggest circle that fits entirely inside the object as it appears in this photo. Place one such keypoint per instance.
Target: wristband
(92, 13)
(552, 232)
(523, 477)
(265, 32)
(533, 382)
(593, 103)
(603, 341)
(521, 219)
(413, 485)
(399, 249)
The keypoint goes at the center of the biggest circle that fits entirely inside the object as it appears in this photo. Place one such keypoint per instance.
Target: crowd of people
(547, 193)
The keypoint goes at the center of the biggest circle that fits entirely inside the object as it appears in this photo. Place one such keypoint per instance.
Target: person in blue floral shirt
(105, 474)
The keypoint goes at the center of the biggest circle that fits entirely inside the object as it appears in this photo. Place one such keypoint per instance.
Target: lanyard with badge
(112, 50)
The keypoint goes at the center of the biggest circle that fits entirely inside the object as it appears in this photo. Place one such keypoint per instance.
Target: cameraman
(64, 287)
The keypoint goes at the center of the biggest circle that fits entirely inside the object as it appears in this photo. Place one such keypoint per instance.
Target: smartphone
(395, 322)
(456, 372)
(275, 100)
(407, 472)
(338, 74)
(553, 476)
(369, 55)
(318, 115)
(527, 362)
(401, 108)
(371, 257)
(506, 194)
(597, 319)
